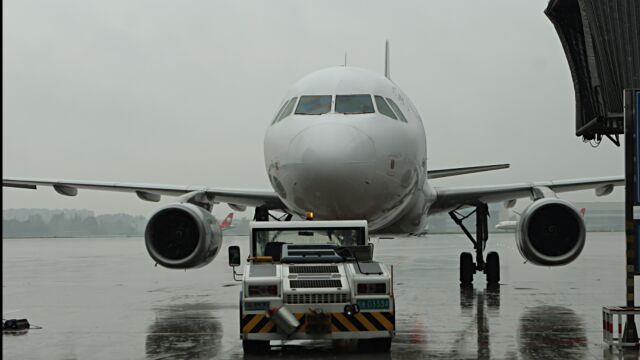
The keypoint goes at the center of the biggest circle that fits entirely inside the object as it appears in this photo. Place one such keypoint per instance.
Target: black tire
(492, 269)
(378, 345)
(467, 269)
(256, 346)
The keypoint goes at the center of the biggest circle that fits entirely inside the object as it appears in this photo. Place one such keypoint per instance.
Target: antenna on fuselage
(387, 72)
(345, 59)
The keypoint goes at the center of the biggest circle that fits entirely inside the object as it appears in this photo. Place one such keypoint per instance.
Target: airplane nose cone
(330, 170)
(331, 143)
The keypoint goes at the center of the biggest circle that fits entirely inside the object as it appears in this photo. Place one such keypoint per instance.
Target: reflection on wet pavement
(476, 306)
(547, 332)
(188, 331)
(104, 299)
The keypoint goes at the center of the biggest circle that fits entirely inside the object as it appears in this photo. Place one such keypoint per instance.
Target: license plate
(373, 304)
(254, 306)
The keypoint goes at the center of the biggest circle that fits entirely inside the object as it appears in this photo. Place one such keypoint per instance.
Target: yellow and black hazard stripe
(363, 321)
(303, 322)
(256, 323)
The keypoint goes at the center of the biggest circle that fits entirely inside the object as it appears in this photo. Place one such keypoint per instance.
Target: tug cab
(314, 280)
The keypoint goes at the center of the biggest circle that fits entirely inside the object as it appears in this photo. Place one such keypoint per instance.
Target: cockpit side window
(397, 110)
(354, 104)
(314, 105)
(277, 117)
(384, 108)
(286, 111)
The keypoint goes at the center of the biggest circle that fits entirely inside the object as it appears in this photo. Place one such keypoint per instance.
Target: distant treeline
(18, 223)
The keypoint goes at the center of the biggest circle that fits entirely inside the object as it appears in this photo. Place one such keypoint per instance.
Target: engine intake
(183, 236)
(550, 232)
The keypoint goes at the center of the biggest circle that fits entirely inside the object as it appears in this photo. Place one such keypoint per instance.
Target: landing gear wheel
(379, 345)
(256, 346)
(467, 269)
(492, 268)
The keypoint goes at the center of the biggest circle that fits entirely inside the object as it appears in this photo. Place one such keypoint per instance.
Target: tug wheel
(379, 345)
(467, 268)
(492, 270)
(256, 346)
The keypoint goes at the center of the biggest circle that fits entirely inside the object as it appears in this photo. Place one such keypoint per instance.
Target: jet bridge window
(314, 105)
(384, 108)
(397, 110)
(354, 104)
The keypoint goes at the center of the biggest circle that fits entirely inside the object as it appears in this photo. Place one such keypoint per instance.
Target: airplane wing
(434, 174)
(153, 192)
(449, 198)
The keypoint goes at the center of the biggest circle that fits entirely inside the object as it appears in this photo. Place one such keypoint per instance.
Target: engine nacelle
(550, 232)
(183, 236)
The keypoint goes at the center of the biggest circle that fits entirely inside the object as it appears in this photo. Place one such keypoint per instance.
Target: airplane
(346, 144)
(226, 223)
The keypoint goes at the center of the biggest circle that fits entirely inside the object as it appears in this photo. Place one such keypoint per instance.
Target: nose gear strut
(262, 214)
(491, 267)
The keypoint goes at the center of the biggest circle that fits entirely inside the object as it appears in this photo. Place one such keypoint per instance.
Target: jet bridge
(601, 40)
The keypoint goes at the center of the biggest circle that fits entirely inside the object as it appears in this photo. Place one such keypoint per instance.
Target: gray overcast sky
(181, 92)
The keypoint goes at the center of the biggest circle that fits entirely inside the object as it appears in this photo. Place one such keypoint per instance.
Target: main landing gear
(490, 267)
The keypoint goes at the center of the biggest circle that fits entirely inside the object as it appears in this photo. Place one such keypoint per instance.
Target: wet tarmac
(104, 299)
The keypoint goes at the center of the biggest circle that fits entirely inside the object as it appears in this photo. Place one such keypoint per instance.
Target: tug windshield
(306, 236)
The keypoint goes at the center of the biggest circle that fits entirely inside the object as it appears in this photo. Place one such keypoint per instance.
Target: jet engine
(550, 232)
(183, 236)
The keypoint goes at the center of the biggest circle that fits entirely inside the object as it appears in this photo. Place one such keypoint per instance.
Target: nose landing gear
(262, 214)
(490, 267)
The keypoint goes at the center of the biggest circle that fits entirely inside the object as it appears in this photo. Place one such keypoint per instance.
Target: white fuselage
(348, 165)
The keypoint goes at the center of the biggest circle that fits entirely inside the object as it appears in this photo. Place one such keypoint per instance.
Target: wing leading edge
(448, 198)
(153, 192)
(434, 174)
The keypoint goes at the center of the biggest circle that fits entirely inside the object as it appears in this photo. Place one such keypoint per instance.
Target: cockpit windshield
(314, 105)
(277, 117)
(384, 108)
(397, 110)
(285, 111)
(338, 236)
(354, 104)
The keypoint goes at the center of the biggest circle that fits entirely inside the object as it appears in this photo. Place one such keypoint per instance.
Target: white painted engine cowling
(183, 236)
(550, 232)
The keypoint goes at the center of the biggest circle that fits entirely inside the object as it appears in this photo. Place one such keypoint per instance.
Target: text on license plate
(373, 303)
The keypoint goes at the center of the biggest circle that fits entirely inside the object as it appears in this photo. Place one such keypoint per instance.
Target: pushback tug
(314, 280)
